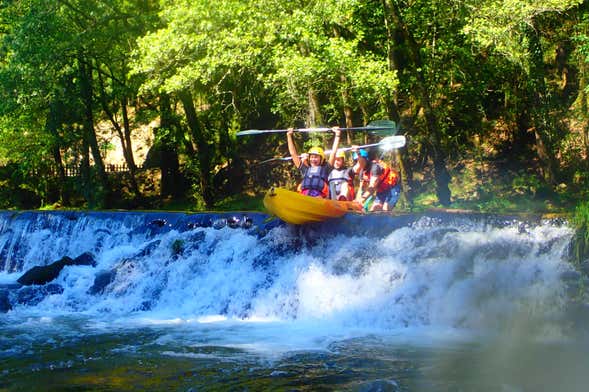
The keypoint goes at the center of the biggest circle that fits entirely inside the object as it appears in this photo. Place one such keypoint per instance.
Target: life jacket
(386, 180)
(336, 178)
(316, 178)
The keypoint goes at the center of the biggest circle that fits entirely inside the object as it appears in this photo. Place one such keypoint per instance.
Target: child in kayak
(341, 186)
(378, 180)
(313, 167)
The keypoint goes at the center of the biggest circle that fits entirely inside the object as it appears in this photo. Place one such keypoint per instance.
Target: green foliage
(237, 64)
(526, 184)
(502, 24)
(581, 222)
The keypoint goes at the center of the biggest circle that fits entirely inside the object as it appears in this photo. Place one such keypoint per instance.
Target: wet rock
(5, 305)
(43, 274)
(247, 222)
(219, 223)
(85, 258)
(101, 280)
(6, 295)
(33, 295)
(148, 249)
(233, 222)
(240, 222)
(158, 223)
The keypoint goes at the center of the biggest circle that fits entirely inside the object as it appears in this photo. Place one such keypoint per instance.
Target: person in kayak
(377, 180)
(341, 179)
(313, 167)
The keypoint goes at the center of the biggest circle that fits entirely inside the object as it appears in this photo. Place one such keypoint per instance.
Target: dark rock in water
(32, 296)
(233, 222)
(219, 223)
(101, 280)
(148, 249)
(197, 237)
(265, 228)
(244, 222)
(43, 274)
(247, 222)
(158, 222)
(85, 258)
(5, 305)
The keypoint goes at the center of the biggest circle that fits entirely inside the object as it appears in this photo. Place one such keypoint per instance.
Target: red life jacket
(388, 179)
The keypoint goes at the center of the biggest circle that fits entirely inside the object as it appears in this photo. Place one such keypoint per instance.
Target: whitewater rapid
(378, 272)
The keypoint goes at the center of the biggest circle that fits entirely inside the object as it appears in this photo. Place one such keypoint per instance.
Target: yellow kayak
(297, 209)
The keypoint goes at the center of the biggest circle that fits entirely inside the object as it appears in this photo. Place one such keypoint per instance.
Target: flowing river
(171, 301)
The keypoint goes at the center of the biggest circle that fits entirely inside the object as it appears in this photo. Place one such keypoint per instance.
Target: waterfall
(455, 270)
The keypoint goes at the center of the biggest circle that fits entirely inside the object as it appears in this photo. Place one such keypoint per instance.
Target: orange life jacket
(389, 177)
(386, 180)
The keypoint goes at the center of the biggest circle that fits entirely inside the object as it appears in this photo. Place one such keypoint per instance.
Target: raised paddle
(388, 143)
(379, 127)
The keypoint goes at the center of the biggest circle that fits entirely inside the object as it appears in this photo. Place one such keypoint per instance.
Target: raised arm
(337, 133)
(292, 149)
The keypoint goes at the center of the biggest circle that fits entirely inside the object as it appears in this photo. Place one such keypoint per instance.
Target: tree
(513, 28)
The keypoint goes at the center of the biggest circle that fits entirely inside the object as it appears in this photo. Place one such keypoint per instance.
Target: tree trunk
(52, 127)
(314, 117)
(442, 176)
(203, 149)
(124, 134)
(89, 133)
(169, 165)
(128, 148)
(394, 63)
(584, 108)
(540, 109)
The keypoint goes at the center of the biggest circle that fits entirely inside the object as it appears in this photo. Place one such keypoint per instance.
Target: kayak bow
(297, 209)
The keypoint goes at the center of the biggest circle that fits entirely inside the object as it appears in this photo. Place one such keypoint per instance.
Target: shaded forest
(491, 95)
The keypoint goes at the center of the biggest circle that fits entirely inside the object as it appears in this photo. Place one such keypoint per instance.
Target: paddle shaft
(373, 126)
(392, 141)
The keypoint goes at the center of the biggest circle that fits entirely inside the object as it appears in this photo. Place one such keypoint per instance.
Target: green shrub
(581, 223)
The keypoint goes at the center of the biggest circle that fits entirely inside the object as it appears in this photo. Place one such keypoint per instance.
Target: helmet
(361, 153)
(317, 151)
(340, 154)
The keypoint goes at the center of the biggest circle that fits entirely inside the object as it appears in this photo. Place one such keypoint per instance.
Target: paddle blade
(392, 142)
(383, 128)
(259, 131)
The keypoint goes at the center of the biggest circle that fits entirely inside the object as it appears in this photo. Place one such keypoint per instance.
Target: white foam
(429, 275)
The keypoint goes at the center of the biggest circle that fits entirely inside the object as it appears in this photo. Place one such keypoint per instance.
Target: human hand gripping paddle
(386, 144)
(379, 127)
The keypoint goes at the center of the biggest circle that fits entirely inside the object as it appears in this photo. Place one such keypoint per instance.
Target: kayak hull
(297, 209)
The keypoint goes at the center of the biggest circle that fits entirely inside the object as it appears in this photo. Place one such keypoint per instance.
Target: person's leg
(378, 202)
(394, 194)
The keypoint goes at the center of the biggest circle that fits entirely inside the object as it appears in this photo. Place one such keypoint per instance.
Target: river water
(432, 302)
